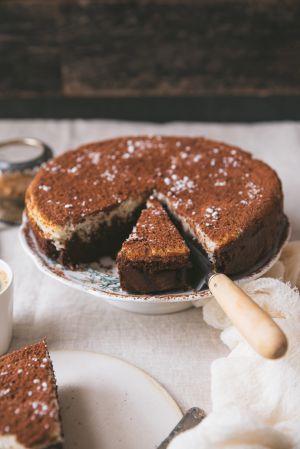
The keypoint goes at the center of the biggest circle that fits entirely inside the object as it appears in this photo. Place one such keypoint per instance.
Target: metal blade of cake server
(200, 262)
(201, 265)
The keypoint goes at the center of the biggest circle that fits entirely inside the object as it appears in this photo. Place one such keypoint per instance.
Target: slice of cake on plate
(155, 257)
(29, 410)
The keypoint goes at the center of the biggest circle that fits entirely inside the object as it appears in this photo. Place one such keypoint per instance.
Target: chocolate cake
(84, 203)
(29, 413)
(154, 257)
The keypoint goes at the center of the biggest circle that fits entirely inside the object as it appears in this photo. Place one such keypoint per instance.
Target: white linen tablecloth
(255, 401)
(175, 349)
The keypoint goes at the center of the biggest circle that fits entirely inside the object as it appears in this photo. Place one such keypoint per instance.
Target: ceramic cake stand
(101, 280)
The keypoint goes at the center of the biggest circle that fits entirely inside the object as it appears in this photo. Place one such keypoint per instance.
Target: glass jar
(20, 159)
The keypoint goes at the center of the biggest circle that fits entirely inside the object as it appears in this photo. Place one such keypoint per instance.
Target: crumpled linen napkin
(255, 402)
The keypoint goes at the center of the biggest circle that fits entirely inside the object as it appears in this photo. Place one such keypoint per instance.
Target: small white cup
(6, 309)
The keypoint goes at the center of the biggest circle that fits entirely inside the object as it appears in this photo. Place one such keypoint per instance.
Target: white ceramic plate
(108, 403)
(102, 280)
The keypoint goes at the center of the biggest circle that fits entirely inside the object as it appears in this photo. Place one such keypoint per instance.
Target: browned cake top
(154, 237)
(216, 188)
(28, 404)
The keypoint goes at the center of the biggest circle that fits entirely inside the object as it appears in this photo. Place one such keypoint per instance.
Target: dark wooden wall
(155, 59)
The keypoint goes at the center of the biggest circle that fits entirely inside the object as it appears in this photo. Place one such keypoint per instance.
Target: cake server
(256, 326)
(189, 420)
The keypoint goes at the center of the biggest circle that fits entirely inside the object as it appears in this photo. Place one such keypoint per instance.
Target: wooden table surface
(150, 60)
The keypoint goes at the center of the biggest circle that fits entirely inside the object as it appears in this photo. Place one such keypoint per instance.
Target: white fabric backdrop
(175, 349)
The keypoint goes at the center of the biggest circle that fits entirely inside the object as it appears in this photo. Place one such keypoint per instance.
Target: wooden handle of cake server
(257, 327)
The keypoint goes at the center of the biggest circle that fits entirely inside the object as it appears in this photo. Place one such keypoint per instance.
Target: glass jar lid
(15, 157)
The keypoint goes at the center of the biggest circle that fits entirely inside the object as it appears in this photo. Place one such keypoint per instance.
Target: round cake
(83, 204)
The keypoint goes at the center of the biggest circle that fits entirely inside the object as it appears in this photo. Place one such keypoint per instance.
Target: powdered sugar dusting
(197, 157)
(212, 213)
(40, 408)
(109, 175)
(220, 183)
(4, 392)
(74, 170)
(95, 157)
(134, 236)
(253, 191)
(44, 188)
(230, 161)
(182, 184)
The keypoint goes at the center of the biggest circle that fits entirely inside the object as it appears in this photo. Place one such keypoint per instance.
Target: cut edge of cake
(222, 256)
(89, 225)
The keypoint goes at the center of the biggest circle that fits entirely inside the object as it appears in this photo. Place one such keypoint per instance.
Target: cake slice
(154, 258)
(29, 410)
